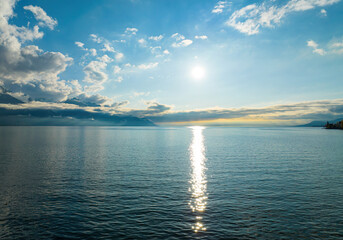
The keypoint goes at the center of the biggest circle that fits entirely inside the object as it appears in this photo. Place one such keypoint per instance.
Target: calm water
(176, 183)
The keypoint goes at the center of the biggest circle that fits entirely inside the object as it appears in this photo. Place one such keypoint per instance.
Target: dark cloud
(85, 100)
(153, 109)
(67, 117)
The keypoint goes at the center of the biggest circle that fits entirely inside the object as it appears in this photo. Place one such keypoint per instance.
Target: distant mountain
(319, 123)
(314, 124)
(6, 98)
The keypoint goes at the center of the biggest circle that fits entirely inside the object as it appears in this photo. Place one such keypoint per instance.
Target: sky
(179, 62)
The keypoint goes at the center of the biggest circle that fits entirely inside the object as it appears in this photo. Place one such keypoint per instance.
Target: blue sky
(134, 56)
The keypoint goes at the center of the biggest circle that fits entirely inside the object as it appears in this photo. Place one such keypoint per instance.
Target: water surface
(181, 183)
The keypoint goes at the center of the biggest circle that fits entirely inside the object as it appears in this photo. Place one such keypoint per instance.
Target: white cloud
(312, 44)
(323, 12)
(166, 52)
(202, 37)
(95, 38)
(156, 50)
(336, 46)
(220, 6)
(131, 31)
(178, 36)
(42, 17)
(142, 42)
(108, 48)
(251, 18)
(105, 59)
(95, 72)
(148, 66)
(93, 51)
(96, 75)
(156, 38)
(138, 94)
(116, 69)
(28, 71)
(119, 56)
(80, 44)
(183, 43)
(119, 79)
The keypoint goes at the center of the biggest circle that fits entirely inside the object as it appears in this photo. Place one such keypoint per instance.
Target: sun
(198, 73)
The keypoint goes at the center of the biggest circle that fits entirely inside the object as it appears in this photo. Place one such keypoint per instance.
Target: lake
(170, 183)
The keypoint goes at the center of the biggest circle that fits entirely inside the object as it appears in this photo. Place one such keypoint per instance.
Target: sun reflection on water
(198, 180)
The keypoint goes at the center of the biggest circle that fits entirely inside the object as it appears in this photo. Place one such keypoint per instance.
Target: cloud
(41, 90)
(27, 71)
(148, 66)
(95, 38)
(303, 111)
(119, 56)
(153, 109)
(138, 94)
(323, 12)
(183, 43)
(142, 42)
(156, 38)
(202, 37)
(105, 58)
(166, 52)
(220, 6)
(93, 52)
(116, 69)
(80, 44)
(336, 47)
(119, 79)
(85, 100)
(121, 104)
(107, 48)
(42, 17)
(251, 18)
(95, 72)
(312, 44)
(38, 113)
(178, 36)
(131, 31)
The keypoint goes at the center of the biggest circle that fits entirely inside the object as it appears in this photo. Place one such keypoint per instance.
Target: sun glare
(198, 73)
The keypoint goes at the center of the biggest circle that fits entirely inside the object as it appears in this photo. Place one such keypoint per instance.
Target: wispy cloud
(202, 37)
(156, 38)
(131, 31)
(95, 38)
(148, 66)
(42, 17)
(251, 18)
(220, 6)
(312, 44)
(335, 46)
(108, 48)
